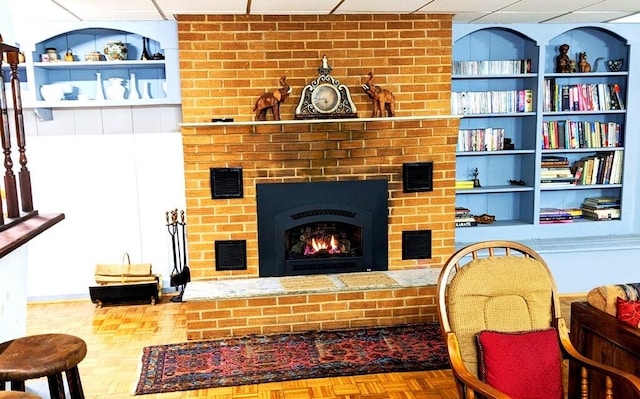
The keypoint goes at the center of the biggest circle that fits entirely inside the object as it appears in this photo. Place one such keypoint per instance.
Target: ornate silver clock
(325, 97)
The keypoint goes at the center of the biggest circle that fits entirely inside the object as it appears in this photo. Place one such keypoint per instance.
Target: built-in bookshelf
(506, 85)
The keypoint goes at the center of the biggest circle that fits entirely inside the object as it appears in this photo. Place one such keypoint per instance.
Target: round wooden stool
(46, 355)
(17, 395)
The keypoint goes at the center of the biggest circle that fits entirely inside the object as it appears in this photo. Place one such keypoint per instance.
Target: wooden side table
(45, 355)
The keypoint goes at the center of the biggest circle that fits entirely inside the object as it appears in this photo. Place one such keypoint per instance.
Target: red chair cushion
(628, 311)
(524, 365)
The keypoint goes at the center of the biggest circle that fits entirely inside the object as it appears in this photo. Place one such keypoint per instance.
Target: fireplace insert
(324, 227)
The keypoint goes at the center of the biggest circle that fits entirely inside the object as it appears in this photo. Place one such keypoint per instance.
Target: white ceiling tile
(613, 5)
(515, 17)
(113, 9)
(581, 17)
(278, 7)
(467, 17)
(38, 11)
(171, 7)
(465, 5)
(635, 18)
(557, 6)
(380, 6)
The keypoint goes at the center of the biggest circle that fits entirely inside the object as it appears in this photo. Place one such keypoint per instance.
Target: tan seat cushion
(507, 293)
(604, 297)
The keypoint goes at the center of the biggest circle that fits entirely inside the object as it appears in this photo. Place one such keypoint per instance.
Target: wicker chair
(507, 289)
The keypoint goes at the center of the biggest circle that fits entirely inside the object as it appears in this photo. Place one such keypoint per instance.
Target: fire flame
(319, 244)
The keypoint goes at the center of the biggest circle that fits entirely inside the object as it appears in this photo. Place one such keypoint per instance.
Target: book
(466, 224)
(549, 172)
(595, 201)
(576, 213)
(554, 212)
(464, 184)
(462, 210)
(602, 214)
(554, 215)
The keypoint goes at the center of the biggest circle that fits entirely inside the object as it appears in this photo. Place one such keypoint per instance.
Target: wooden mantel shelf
(22, 232)
(310, 121)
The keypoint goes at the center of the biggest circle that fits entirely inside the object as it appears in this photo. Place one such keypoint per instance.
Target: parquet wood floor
(115, 336)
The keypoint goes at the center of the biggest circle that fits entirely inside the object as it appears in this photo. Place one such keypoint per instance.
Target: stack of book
(600, 168)
(464, 218)
(464, 184)
(554, 161)
(497, 67)
(601, 208)
(581, 97)
(487, 139)
(555, 215)
(555, 171)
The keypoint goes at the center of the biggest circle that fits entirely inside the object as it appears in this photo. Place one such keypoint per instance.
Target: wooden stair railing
(19, 227)
(11, 193)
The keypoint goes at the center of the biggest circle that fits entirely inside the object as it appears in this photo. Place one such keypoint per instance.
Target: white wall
(13, 294)
(113, 172)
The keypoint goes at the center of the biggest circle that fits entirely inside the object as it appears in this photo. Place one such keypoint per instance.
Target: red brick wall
(212, 319)
(228, 61)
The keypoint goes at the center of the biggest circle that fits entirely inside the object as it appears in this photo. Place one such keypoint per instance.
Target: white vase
(99, 92)
(116, 90)
(133, 88)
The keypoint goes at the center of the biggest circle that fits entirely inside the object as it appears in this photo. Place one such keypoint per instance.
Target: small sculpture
(381, 98)
(272, 101)
(476, 181)
(583, 65)
(563, 62)
(573, 66)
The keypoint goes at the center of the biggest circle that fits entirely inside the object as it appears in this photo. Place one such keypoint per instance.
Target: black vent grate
(231, 255)
(226, 183)
(417, 177)
(416, 244)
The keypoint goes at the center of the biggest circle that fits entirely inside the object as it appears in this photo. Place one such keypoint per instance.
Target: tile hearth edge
(271, 286)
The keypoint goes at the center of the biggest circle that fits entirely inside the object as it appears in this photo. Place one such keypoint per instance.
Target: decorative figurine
(476, 181)
(381, 98)
(563, 62)
(272, 101)
(583, 65)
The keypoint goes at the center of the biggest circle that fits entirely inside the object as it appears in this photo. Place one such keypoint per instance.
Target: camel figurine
(381, 98)
(272, 101)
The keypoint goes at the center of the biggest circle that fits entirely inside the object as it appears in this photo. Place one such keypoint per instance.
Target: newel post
(24, 175)
(10, 186)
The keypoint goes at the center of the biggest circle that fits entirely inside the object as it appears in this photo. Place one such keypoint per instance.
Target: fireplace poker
(180, 274)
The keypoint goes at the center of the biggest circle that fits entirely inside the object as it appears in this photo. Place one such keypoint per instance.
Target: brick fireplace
(227, 62)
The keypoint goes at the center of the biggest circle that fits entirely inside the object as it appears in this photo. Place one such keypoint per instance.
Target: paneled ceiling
(466, 11)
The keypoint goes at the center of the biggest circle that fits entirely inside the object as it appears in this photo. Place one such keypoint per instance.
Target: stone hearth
(238, 307)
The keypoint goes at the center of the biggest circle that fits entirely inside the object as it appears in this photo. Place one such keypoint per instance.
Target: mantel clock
(325, 97)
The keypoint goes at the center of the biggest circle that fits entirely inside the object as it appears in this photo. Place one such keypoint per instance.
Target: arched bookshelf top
(600, 44)
(496, 44)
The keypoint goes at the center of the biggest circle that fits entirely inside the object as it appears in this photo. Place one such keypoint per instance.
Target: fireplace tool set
(180, 274)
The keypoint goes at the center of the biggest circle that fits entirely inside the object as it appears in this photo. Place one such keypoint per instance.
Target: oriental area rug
(269, 358)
